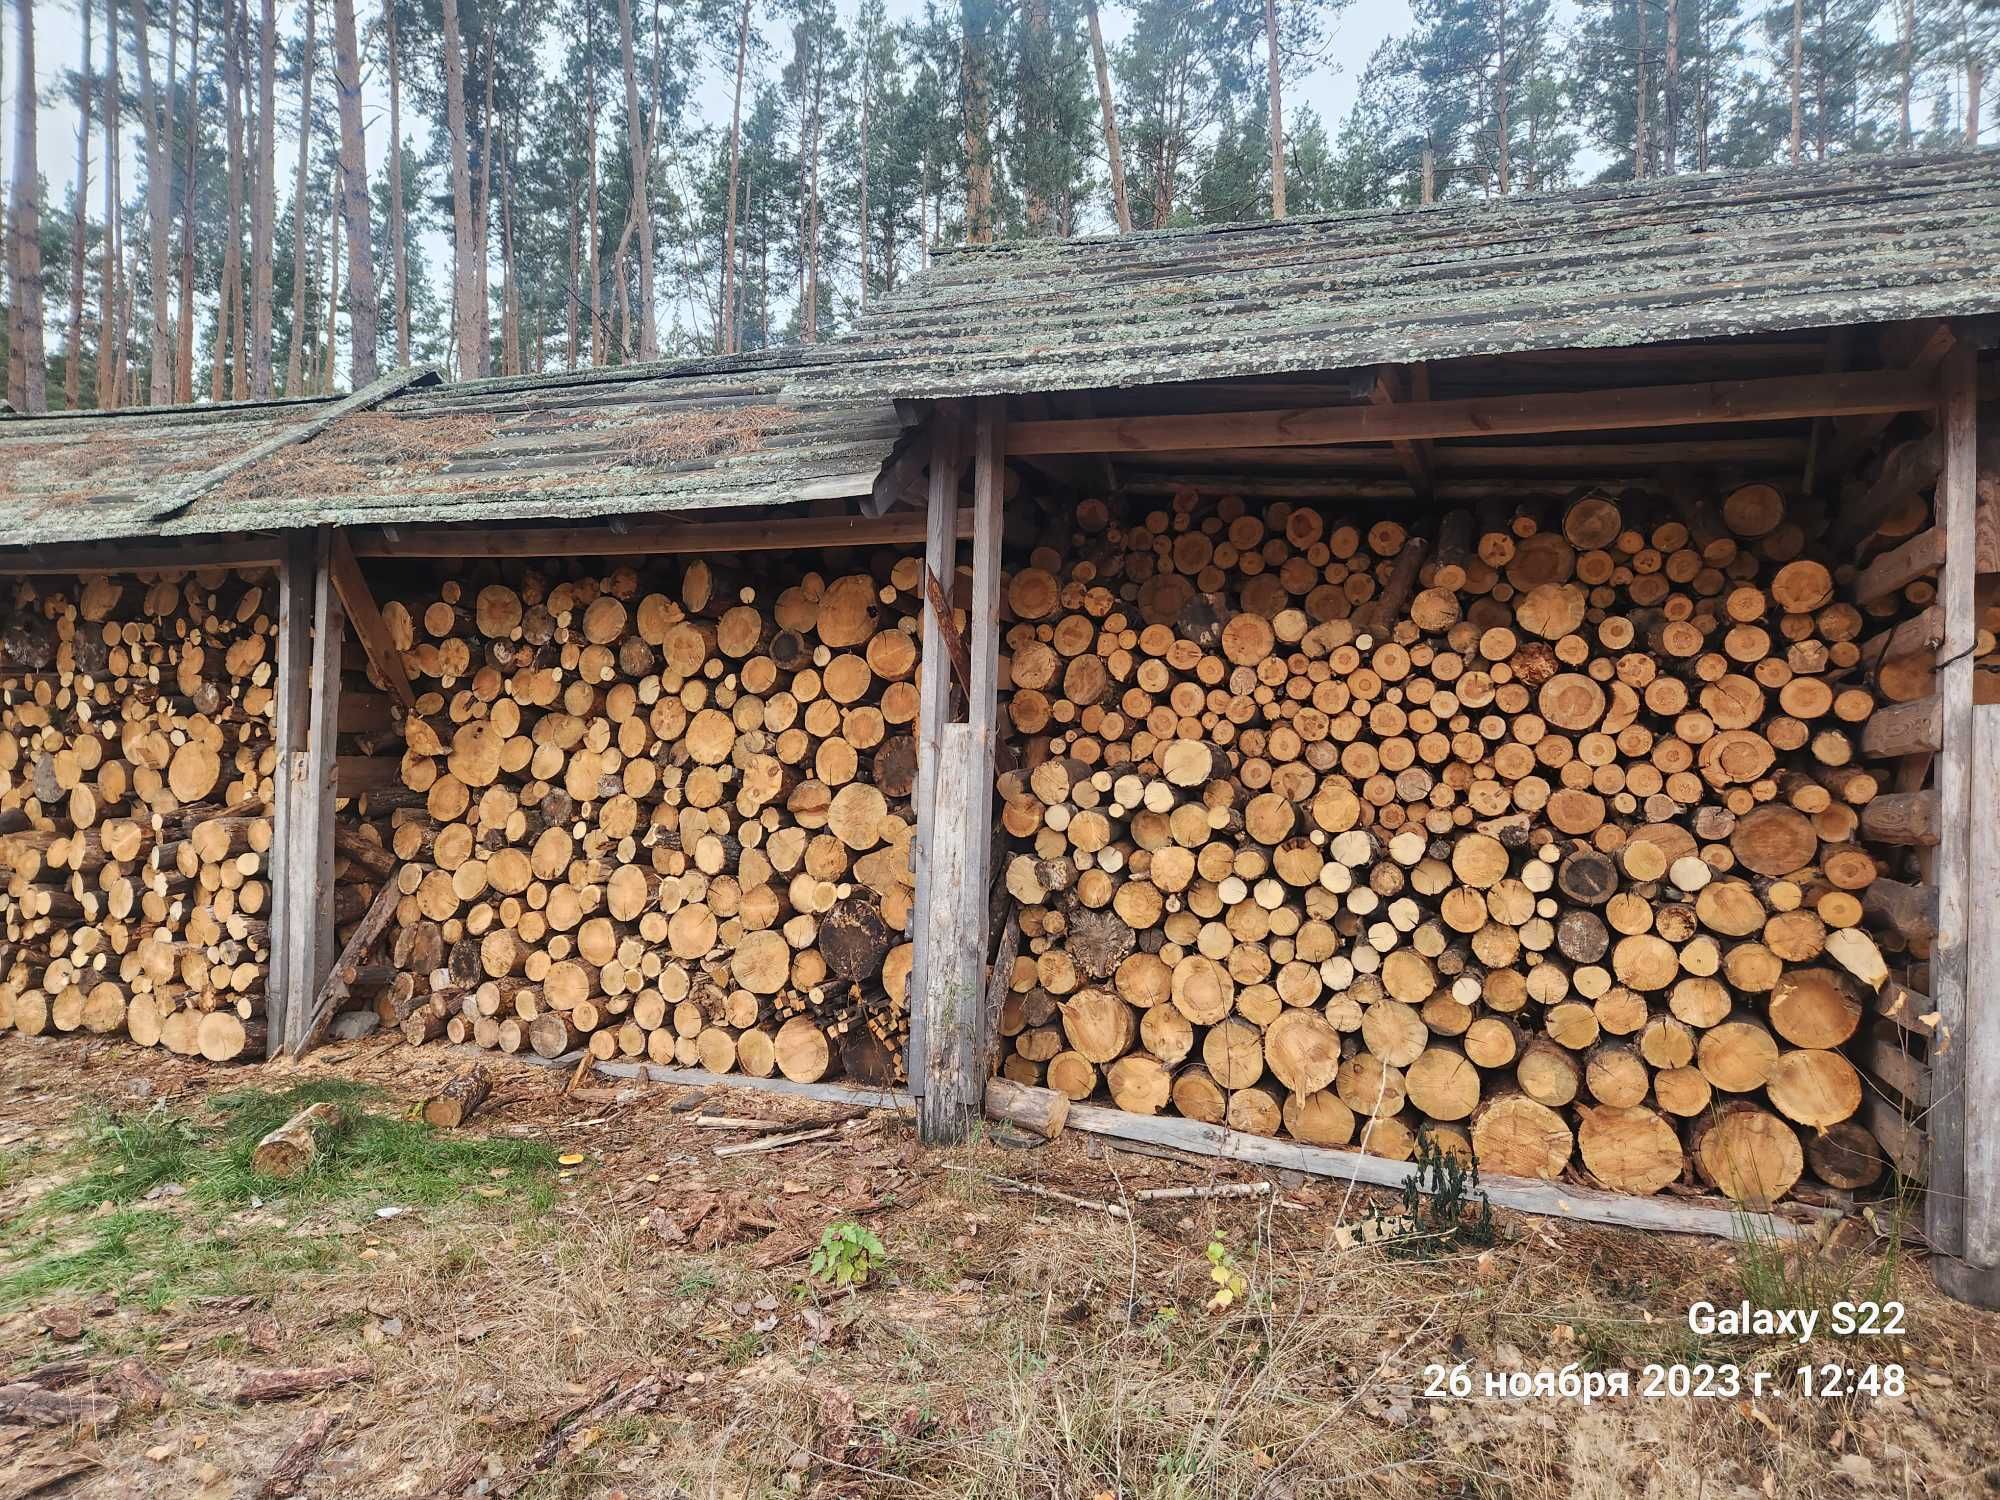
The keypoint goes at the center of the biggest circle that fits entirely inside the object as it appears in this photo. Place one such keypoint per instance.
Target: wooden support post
(294, 717)
(933, 708)
(1977, 1043)
(952, 908)
(311, 624)
(1961, 1195)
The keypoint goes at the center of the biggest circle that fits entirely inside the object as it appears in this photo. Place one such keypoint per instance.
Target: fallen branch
(283, 1385)
(1214, 1190)
(774, 1142)
(646, 1394)
(1036, 1190)
(288, 1476)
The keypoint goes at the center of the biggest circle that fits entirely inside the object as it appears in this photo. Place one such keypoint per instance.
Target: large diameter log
(1748, 1154)
(1516, 1137)
(1631, 1150)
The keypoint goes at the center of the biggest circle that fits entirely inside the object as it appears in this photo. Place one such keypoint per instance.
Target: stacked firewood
(136, 778)
(664, 823)
(1536, 832)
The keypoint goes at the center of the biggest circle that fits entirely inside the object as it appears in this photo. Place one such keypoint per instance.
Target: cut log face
(1543, 828)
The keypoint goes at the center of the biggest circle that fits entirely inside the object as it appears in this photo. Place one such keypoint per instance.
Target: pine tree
(27, 376)
(79, 212)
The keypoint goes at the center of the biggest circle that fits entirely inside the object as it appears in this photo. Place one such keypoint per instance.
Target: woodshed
(1513, 673)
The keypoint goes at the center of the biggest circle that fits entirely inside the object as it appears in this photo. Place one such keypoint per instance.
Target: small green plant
(1231, 1285)
(848, 1254)
(1443, 1208)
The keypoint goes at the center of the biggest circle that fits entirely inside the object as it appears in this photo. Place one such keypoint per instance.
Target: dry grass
(357, 453)
(684, 437)
(1011, 1349)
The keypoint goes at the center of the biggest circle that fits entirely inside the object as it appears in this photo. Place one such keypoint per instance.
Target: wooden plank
(1908, 728)
(951, 919)
(1909, 909)
(372, 394)
(1557, 1200)
(933, 708)
(1957, 1118)
(144, 557)
(1921, 554)
(1906, 1007)
(310, 797)
(1390, 387)
(897, 528)
(1975, 1049)
(335, 990)
(290, 729)
(1923, 350)
(832, 1093)
(1776, 398)
(367, 620)
(998, 979)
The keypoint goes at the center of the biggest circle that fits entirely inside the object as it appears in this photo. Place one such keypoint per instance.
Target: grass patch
(185, 1244)
(1820, 1267)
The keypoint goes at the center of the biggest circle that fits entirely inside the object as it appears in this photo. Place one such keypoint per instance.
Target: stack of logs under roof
(1535, 830)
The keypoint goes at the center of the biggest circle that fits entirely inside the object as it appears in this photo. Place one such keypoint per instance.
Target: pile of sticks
(661, 818)
(1537, 833)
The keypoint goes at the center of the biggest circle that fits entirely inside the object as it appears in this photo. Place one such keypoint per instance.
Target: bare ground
(639, 1320)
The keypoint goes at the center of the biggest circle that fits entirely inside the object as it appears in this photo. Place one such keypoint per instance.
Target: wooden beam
(144, 557)
(933, 709)
(1920, 633)
(334, 991)
(1765, 400)
(1392, 386)
(1902, 818)
(356, 774)
(1924, 350)
(367, 621)
(1954, 1225)
(897, 528)
(959, 847)
(310, 804)
(1974, 1053)
(1555, 1199)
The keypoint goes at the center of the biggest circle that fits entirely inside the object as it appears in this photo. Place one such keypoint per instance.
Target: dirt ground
(575, 1297)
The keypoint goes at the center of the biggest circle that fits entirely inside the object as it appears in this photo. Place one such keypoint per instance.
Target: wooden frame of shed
(1449, 415)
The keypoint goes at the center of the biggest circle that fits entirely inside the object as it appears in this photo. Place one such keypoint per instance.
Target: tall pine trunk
(232, 248)
(465, 244)
(976, 90)
(1500, 97)
(482, 216)
(1642, 144)
(354, 205)
(264, 213)
(649, 328)
(1277, 109)
(729, 338)
(239, 380)
(27, 379)
(575, 291)
(1112, 153)
(330, 352)
(1672, 125)
(160, 382)
(1975, 81)
(79, 227)
(597, 329)
(295, 369)
(184, 339)
(1798, 80)
(109, 352)
(861, 208)
(399, 253)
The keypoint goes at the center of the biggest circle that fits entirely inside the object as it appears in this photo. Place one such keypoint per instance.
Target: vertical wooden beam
(311, 624)
(294, 715)
(953, 908)
(369, 627)
(1959, 1209)
(1978, 1040)
(933, 708)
